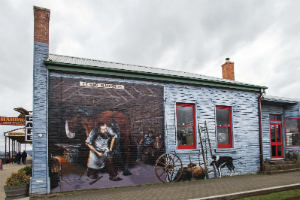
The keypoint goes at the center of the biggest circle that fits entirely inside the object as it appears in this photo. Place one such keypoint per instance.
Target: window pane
(184, 115)
(223, 117)
(223, 135)
(273, 150)
(292, 139)
(185, 135)
(275, 117)
(292, 132)
(295, 139)
(292, 125)
(272, 133)
(279, 150)
(278, 133)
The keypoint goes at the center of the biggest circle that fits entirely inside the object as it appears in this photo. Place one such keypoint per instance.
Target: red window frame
(285, 131)
(230, 127)
(193, 146)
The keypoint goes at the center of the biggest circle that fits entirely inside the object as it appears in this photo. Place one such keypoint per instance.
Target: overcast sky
(260, 36)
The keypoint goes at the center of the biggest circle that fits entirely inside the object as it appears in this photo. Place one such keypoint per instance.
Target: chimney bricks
(228, 70)
(41, 24)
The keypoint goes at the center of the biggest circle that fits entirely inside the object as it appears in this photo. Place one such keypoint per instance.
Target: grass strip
(276, 195)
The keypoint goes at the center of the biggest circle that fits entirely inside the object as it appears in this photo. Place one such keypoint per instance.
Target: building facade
(101, 124)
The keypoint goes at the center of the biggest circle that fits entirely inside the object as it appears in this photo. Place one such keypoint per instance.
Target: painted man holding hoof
(101, 142)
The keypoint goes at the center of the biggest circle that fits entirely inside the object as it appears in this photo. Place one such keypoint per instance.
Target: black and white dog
(221, 161)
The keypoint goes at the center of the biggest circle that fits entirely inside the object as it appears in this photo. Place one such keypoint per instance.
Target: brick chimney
(41, 24)
(228, 70)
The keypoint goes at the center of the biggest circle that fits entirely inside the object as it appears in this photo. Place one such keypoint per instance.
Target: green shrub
(19, 178)
(27, 170)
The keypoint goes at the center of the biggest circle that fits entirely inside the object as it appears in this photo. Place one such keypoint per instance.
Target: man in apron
(100, 156)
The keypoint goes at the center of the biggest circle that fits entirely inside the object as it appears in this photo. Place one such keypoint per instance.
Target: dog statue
(221, 162)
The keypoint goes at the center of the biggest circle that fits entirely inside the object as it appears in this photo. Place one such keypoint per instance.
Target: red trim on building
(276, 143)
(193, 146)
(285, 131)
(229, 127)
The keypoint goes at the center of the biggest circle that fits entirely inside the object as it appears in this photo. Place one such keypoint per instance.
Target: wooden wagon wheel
(168, 167)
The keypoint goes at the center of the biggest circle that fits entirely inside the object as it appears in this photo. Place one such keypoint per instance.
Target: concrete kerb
(251, 192)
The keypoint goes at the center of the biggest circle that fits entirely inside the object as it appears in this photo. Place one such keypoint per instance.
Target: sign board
(28, 128)
(12, 121)
(15, 134)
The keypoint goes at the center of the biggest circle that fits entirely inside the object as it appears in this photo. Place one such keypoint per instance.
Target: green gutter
(123, 73)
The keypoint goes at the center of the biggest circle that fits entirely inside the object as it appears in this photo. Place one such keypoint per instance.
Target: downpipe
(261, 159)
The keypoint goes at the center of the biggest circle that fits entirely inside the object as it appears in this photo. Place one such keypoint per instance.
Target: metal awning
(279, 100)
(17, 135)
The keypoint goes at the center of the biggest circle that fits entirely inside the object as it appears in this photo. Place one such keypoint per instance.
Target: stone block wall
(39, 183)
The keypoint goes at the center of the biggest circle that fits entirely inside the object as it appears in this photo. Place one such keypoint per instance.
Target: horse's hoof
(115, 179)
(127, 173)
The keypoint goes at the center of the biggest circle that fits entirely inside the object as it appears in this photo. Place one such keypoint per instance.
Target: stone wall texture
(39, 183)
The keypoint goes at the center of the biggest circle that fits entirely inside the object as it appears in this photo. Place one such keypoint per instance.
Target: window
(224, 127)
(275, 117)
(292, 127)
(186, 134)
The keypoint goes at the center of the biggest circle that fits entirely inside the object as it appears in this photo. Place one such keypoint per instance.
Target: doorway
(276, 140)
(276, 136)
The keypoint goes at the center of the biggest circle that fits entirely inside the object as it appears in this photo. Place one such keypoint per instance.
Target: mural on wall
(103, 133)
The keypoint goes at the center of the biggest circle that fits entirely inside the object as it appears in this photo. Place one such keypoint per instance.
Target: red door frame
(193, 146)
(276, 143)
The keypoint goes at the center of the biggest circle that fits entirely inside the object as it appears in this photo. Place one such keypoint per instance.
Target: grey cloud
(142, 32)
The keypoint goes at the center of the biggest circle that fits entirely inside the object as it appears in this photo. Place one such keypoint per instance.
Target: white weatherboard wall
(244, 122)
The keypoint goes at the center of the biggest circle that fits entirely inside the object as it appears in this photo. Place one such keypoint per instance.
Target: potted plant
(17, 184)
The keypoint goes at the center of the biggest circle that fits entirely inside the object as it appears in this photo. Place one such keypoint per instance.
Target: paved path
(7, 170)
(184, 190)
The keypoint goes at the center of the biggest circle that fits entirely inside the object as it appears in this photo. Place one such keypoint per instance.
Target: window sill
(187, 151)
(224, 150)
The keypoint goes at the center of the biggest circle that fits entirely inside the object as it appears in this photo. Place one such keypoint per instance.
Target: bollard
(1, 167)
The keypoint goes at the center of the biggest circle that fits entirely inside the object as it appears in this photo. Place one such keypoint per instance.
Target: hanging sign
(12, 121)
(28, 128)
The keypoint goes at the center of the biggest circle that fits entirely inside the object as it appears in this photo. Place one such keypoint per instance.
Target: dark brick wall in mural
(103, 134)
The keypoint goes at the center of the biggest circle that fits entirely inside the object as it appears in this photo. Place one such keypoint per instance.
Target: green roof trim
(124, 73)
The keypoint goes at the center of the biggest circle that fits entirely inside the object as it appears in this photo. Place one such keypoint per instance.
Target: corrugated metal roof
(280, 99)
(54, 58)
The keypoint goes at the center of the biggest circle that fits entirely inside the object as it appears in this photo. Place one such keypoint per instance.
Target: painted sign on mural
(103, 133)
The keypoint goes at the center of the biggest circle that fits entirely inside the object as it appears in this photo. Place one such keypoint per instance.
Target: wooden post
(12, 148)
(5, 149)
(9, 148)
